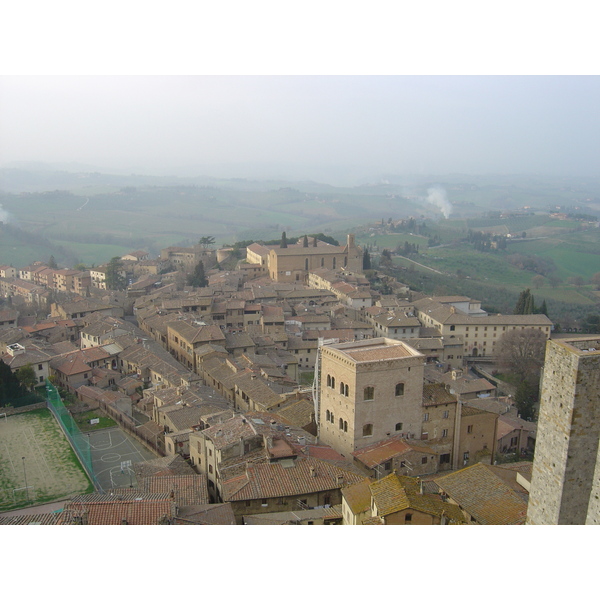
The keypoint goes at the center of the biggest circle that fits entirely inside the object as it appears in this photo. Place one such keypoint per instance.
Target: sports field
(37, 463)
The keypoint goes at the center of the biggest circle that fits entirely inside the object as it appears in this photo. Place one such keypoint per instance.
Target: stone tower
(565, 484)
(368, 391)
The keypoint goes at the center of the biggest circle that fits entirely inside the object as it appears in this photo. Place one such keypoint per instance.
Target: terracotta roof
(377, 453)
(358, 496)
(118, 512)
(186, 490)
(395, 493)
(206, 514)
(372, 352)
(484, 495)
(286, 478)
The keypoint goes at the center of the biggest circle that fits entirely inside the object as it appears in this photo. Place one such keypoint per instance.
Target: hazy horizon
(333, 129)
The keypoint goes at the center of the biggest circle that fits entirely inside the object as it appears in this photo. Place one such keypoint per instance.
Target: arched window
(398, 426)
(345, 261)
(342, 387)
(333, 382)
(323, 261)
(328, 380)
(367, 429)
(306, 264)
(333, 263)
(327, 416)
(341, 424)
(346, 426)
(346, 391)
(369, 393)
(399, 389)
(332, 418)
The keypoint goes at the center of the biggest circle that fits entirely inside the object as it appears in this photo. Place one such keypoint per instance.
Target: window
(398, 426)
(346, 391)
(465, 458)
(367, 429)
(446, 414)
(328, 380)
(210, 469)
(345, 426)
(399, 389)
(426, 417)
(444, 459)
(388, 465)
(333, 383)
(408, 518)
(327, 414)
(452, 327)
(40, 367)
(424, 460)
(369, 393)
(469, 428)
(444, 433)
(341, 424)
(342, 388)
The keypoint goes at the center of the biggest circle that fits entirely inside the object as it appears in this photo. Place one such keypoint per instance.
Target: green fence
(79, 442)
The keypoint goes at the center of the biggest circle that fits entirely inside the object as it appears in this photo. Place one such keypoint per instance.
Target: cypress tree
(366, 261)
(305, 241)
(283, 241)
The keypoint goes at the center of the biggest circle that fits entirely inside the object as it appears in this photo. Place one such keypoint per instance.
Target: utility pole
(25, 475)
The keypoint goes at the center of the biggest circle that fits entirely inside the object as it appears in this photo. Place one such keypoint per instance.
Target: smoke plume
(436, 195)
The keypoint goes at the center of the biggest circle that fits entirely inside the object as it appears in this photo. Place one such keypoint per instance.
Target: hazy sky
(376, 124)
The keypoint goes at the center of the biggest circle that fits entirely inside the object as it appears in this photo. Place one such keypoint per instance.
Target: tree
(52, 262)
(523, 302)
(305, 241)
(11, 389)
(26, 376)
(521, 351)
(525, 398)
(314, 241)
(366, 261)
(283, 243)
(538, 281)
(198, 278)
(576, 280)
(206, 241)
(113, 276)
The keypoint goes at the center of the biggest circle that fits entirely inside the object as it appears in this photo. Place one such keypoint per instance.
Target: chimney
(420, 482)
(340, 480)
(123, 521)
(312, 472)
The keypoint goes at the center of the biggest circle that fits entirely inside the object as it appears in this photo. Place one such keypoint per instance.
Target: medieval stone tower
(565, 484)
(369, 390)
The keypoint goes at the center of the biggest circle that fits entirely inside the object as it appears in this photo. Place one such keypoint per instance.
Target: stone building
(565, 484)
(293, 263)
(367, 391)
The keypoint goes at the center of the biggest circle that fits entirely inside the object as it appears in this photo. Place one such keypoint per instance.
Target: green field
(37, 464)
